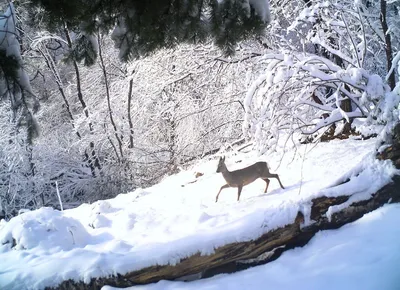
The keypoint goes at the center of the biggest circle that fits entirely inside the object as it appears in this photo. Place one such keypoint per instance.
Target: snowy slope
(177, 218)
(361, 255)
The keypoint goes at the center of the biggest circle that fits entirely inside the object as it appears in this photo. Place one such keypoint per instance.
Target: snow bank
(43, 228)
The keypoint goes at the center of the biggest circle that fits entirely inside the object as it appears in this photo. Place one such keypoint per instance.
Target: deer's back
(246, 175)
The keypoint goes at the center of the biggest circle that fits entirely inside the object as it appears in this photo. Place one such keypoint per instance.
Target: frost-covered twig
(59, 197)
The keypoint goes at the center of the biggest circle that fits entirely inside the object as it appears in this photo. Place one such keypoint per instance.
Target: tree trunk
(92, 159)
(388, 43)
(129, 114)
(52, 67)
(110, 112)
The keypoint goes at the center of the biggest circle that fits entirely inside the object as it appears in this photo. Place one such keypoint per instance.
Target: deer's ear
(223, 158)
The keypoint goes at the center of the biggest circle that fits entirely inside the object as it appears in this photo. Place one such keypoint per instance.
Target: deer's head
(221, 164)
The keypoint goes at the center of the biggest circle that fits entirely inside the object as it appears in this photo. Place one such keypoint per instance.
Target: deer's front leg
(222, 187)
(239, 192)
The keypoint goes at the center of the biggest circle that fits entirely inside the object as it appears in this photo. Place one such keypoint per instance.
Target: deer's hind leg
(222, 187)
(267, 182)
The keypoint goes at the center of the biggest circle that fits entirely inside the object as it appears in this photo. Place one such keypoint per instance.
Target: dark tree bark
(129, 114)
(388, 43)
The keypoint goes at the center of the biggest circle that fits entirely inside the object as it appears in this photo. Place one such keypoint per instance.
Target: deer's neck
(226, 173)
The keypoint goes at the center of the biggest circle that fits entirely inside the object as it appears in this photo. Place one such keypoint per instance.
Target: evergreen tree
(141, 27)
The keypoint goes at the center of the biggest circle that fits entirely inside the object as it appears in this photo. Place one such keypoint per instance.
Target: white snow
(179, 217)
(361, 255)
(262, 9)
(45, 228)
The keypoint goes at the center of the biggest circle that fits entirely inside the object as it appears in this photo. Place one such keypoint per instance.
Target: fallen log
(238, 256)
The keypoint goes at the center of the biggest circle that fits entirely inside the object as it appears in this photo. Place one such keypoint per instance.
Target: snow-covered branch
(308, 89)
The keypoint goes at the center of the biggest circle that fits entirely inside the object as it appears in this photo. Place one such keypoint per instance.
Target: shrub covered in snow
(44, 228)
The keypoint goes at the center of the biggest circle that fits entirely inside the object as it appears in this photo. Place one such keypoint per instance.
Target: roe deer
(244, 176)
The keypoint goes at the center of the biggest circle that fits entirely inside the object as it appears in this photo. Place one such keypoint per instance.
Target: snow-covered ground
(179, 217)
(361, 255)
